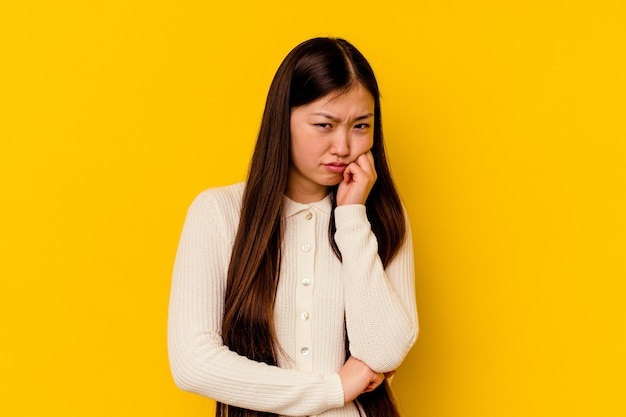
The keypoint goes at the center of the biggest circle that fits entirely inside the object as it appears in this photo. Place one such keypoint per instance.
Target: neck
(304, 196)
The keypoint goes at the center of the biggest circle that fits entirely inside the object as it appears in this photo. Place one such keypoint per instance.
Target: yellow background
(505, 124)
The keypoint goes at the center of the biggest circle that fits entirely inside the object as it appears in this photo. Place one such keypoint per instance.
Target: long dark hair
(312, 70)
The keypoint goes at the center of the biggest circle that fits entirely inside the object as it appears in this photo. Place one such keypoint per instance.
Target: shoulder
(220, 206)
(227, 197)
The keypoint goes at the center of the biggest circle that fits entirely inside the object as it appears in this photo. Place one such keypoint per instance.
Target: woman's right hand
(357, 378)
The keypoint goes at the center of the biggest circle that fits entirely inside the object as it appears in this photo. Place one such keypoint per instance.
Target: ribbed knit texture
(376, 306)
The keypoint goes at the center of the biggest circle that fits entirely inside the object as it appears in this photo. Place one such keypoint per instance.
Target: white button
(308, 216)
(305, 315)
(306, 247)
(306, 282)
(305, 351)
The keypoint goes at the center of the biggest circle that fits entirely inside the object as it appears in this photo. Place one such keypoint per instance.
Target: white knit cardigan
(318, 298)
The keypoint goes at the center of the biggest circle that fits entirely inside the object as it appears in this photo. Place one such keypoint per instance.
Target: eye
(324, 125)
(362, 126)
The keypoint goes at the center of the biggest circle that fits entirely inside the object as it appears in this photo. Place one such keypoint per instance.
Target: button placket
(304, 292)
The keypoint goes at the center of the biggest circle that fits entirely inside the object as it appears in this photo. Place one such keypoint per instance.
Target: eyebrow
(336, 120)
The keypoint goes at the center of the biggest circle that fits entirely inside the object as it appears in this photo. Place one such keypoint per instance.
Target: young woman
(293, 292)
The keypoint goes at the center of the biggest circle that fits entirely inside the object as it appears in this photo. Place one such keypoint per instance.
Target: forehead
(356, 99)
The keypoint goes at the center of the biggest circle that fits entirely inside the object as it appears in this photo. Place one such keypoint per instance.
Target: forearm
(202, 365)
(381, 317)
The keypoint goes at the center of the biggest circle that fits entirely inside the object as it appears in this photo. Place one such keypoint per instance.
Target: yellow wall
(506, 130)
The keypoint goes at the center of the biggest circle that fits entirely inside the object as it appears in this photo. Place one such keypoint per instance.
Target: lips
(335, 166)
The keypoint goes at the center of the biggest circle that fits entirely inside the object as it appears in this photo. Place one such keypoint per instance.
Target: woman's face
(326, 135)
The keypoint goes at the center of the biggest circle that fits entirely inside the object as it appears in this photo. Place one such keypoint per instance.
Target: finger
(366, 163)
(370, 157)
(364, 172)
(347, 174)
(371, 167)
(362, 160)
(375, 383)
(355, 168)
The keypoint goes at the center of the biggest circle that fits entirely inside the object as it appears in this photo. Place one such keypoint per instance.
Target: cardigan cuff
(335, 391)
(350, 216)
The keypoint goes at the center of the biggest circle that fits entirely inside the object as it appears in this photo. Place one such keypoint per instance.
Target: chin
(331, 182)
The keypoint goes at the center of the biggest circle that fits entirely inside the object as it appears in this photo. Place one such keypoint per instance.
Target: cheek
(309, 147)
(363, 144)
(303, 152)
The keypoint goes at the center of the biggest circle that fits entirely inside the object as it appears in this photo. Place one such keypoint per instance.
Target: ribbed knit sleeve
(381, 316)
(199, 360)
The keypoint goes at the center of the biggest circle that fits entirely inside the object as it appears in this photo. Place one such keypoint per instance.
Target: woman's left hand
(358, 179)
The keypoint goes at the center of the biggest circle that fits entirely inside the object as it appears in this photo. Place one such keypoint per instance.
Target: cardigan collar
(291, 207)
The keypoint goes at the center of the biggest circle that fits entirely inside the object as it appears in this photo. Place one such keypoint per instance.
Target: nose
(340, 143)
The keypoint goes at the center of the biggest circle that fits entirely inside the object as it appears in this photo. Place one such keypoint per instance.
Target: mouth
(336, 167)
